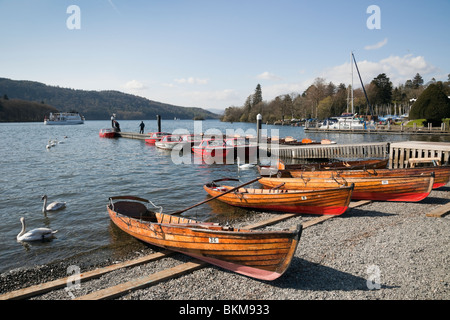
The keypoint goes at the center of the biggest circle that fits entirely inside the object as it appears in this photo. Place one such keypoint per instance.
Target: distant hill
(96, 105)
(16, 110)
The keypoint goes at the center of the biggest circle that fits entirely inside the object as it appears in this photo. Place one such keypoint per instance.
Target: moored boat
(213, 149)
(441, 173)
(283, 169)
(411, 188)
(107, 133)
(263, 255)
(156, 136)
(168, 142)
(243, 148)
(323, 202)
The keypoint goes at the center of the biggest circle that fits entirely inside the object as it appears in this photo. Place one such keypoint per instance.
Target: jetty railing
(321, 151)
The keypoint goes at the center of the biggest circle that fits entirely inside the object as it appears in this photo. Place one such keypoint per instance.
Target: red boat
(107, 133)
(213, 149)
(243, 148)
(156, 136)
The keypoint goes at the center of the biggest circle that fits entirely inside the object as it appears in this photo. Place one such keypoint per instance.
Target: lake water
(85, 170)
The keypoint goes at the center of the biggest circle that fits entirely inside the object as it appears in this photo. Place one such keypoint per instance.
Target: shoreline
(392, 245)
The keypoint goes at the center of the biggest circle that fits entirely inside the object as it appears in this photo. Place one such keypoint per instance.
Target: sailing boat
(349, 121)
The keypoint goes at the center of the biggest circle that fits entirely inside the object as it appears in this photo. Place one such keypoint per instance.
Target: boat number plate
(213, 240)
(384, 182)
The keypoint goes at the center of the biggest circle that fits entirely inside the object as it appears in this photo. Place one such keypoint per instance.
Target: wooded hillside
(16, 110)
(97, 105)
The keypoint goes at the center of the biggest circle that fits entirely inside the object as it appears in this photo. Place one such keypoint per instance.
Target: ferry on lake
(64, 118)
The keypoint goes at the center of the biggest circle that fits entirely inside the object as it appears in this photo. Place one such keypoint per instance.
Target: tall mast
(362, 84)
(351, 62)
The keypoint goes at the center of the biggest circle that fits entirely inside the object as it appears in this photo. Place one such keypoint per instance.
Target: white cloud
(398, 69)
(191, 80)
(210, 96)
(268, 76)
(377, 45)
(134, 85)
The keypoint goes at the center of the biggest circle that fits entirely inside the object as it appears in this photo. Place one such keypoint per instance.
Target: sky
(212, 53)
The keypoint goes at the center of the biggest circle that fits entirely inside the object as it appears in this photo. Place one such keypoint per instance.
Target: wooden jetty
(408, 153)
(329, 151)
(401, 154)
(133, 135)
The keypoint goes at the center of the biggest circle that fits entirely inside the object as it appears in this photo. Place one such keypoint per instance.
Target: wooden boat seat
(434, 160)
(135, 210)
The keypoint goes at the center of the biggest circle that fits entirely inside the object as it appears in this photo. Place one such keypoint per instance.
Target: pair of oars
(215, 197)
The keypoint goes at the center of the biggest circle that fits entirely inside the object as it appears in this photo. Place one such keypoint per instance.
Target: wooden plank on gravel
(306, 224)
(143, 282)
(56, 284)
(440, 211)
(59, 283)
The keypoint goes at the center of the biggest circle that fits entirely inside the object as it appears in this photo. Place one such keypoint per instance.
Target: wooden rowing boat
(263, 255)
(441, 173)
(324, 202)
(411, 188)
(282, 170)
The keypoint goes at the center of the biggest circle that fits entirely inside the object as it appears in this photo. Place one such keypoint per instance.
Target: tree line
(324, 99)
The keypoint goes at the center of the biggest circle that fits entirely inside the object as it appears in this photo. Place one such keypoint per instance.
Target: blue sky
(212, 54)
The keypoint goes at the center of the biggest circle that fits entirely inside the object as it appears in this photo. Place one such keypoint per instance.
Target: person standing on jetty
(142, 125)
(113, 118)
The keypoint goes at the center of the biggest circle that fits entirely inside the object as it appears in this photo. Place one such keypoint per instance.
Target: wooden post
(258, 133)
(158, 119)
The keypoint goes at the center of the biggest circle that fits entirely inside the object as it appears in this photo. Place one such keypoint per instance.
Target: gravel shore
(379, 251)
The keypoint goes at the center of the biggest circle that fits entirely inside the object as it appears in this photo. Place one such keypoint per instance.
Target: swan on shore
(52, 206)
(35, 234)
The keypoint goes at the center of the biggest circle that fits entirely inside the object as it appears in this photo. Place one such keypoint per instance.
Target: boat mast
(362, 84)
(351, 62)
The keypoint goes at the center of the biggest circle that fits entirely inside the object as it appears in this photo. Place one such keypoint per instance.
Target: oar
(207, 200)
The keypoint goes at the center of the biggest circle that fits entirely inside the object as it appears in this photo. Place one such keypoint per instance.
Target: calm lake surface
(85, 170)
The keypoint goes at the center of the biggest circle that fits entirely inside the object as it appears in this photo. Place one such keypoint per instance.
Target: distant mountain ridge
(98, 105)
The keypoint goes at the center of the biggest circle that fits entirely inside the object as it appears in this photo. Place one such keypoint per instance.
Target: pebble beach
(378, 251)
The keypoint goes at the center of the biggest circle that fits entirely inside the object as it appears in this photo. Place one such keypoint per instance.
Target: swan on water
(35, 234)
(52, 206)
(245, 165)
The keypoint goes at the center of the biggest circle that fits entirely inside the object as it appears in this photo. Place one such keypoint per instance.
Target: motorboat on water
(107, 133)
(64, 118)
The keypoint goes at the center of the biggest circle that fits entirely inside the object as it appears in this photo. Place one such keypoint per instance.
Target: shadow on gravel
(435, 200)
(305, 275)
(351, 213)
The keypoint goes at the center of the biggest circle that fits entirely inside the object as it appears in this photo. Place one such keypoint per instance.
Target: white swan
(52, 206)
(35, 234)
(245, 165)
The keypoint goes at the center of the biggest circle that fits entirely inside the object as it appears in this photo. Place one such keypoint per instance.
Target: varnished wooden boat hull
(407, 188)
(322, 202)
(285, 169)
(263, 255)
(441, 173)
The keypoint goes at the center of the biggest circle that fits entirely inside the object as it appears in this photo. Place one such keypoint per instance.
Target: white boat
(347, 122)
(64, 118)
